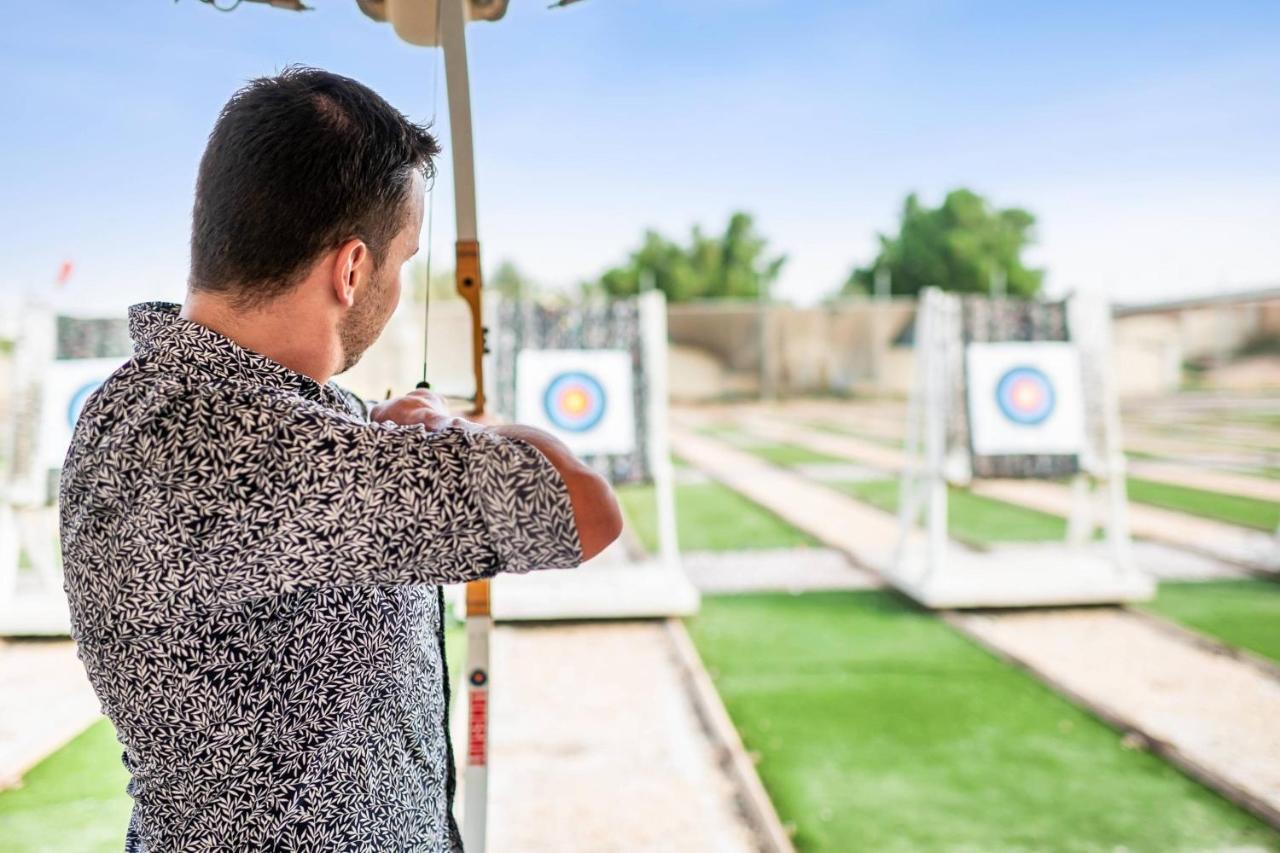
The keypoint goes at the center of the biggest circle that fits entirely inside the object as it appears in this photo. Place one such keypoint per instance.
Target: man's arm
(595, 508)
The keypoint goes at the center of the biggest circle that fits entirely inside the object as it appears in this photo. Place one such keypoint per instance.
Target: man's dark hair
(297, 164)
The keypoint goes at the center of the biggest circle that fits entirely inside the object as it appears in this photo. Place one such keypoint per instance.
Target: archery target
(575, 401)
(1025, 395)
(67, 386)
(1025, 398)
(583, 397)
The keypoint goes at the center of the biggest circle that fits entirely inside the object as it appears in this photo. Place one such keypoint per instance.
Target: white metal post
(653, 337)
(936, 414)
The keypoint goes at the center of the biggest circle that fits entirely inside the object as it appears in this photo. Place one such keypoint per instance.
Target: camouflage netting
(984, 320)
(612, 324)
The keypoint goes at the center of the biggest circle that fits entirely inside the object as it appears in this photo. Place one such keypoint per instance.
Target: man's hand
(420, 406)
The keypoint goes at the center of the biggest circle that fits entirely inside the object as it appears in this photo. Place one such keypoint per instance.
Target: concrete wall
(790, 351)
(847, 347)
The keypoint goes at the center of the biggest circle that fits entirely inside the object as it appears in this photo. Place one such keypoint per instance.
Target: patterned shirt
(252, 570)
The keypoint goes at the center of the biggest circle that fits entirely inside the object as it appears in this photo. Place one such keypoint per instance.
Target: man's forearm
(595, 507)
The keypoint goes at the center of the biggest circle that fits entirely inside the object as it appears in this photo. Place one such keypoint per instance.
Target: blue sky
(1145, 136)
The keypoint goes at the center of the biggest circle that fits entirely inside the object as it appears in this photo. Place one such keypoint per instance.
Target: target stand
(57, 364)
(1010, 389)
(595, 376)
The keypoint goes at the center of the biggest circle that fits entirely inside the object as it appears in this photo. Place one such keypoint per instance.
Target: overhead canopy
(417, 21)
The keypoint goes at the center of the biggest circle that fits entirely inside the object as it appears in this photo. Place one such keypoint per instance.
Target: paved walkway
(596, 747)
(45, 700)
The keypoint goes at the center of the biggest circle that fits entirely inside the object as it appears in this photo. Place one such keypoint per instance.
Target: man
(252, 558)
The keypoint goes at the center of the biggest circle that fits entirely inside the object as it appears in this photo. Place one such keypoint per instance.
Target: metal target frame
(32, 600)
(927, 564)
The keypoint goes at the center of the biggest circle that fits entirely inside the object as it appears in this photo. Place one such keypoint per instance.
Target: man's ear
(352, 264)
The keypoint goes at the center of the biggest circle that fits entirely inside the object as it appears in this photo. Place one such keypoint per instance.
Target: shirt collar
(157, 329)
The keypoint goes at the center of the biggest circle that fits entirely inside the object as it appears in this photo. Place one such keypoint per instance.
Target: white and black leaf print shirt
(253, 568)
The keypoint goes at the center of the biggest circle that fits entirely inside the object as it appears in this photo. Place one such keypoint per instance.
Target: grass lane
(880, 728)
(710, 517)
(1242, 613)
(974, 519)
(1233, 509)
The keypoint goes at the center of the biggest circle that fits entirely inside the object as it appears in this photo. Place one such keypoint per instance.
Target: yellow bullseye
(575, 401)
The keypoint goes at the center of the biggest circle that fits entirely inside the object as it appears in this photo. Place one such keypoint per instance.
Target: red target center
(1027, 395)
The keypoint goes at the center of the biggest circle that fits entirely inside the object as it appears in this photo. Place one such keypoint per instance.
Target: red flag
(64, 272)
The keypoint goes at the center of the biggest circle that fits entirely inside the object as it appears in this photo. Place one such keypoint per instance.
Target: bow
(479, 619)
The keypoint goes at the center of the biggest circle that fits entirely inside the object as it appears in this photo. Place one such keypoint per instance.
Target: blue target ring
(574, 401)
(78, 399)
(1025, 395)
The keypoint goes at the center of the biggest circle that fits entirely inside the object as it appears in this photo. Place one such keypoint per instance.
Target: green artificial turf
(794, 454)
(845, 429)
(710, 517)
(1243, 613)
(75, 799)
(971, 518)
(1233, 509)
(881, 729)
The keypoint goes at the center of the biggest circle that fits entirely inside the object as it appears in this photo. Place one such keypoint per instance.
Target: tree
(508, 281)
(443, 287)
(961, 246)
(731, 266)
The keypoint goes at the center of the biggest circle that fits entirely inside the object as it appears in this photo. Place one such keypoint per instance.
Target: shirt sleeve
(246, 494)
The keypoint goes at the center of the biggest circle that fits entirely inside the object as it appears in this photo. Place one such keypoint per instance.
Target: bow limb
(453, 21)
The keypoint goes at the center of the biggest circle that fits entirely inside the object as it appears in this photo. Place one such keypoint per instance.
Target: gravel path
(1215, 714)
(45, 700)
(596, 747)
(775, 570)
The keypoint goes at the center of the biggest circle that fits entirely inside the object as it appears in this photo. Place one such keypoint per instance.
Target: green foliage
(959, 246)
(733, 265)
(880, 728)
(443, 287)
(507, 281)
(510, 283)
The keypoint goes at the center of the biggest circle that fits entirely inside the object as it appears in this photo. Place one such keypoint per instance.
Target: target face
(585, 398)
(575, 401)
(1025, 395)
(68, 385)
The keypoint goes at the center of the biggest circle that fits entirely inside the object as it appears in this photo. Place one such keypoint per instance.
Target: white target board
(1025, 398)
(583, 397)
(67, 385)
